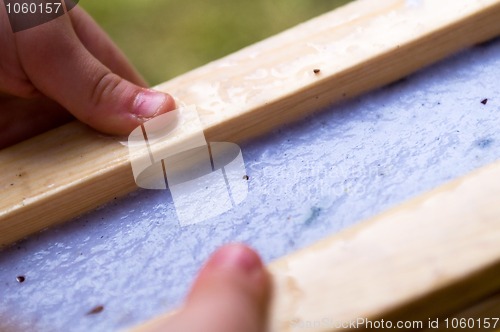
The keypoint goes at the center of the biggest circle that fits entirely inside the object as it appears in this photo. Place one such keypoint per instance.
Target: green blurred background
(165, 38)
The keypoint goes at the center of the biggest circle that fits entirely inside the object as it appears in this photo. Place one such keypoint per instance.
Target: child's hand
(231, 294)
(69, 64)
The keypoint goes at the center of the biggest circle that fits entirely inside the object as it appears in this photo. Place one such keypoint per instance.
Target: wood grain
(436, 254)
(358, 47)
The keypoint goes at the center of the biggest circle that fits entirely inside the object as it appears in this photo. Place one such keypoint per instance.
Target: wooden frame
(358, 47)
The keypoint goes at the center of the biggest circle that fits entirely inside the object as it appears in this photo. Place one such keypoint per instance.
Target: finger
(13, 80)
(60, 66)
(24, 118)
(102, 47)
(231, 294)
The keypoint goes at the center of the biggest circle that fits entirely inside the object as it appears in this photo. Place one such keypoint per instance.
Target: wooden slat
(358, 47)
(424, 259)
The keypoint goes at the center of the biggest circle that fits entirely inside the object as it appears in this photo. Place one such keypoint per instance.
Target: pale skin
(66, 68)
(69, 68)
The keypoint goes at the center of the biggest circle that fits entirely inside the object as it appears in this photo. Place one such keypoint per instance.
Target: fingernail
(148, 103)
(237, 256)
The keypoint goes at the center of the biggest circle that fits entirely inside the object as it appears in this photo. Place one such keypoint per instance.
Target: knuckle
(101, 90)
(104, 88)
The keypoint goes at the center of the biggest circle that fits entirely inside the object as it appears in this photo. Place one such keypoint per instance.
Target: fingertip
(239, 265)
(230, 294)
(238, 269)
(123, 108)
(149, 103)
(236, 257)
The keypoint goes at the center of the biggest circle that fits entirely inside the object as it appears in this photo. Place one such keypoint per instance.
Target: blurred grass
(165, 38)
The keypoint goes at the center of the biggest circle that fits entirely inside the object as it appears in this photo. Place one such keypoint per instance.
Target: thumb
(231, 294)
(59, 66)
